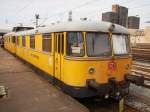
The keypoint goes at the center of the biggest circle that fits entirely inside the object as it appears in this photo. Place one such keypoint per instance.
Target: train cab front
(117, 67)
(97, 64)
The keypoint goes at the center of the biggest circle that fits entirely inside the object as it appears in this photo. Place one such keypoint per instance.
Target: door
(59, 40)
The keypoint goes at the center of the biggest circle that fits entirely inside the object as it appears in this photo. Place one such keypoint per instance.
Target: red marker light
(112, 66)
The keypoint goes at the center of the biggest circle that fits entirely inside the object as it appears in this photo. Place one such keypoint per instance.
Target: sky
(51, 11)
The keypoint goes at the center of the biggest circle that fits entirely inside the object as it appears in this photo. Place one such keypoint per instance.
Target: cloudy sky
(23, 11)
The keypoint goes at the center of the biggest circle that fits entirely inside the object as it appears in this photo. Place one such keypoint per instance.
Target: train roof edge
(96, 26)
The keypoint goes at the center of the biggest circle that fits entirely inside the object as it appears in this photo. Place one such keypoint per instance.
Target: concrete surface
(28, 92)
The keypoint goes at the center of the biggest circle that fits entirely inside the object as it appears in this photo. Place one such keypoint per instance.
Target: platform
(29, 92)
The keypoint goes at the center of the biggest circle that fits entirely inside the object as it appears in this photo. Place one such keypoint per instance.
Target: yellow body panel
(9, 45)
(38, 42)
(27, 41)
(41, 60)
(76, 72)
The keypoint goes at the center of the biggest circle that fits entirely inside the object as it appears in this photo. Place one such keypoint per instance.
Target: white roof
(95, 26)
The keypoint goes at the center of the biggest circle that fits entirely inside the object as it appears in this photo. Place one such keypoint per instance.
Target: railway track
(142, 69)
(103, 105)
(142, 55)
(141, 65)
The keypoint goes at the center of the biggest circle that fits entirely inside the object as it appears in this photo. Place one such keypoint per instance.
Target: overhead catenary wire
(77, 7)
(82, 5)
(24, 7)
(141, 6)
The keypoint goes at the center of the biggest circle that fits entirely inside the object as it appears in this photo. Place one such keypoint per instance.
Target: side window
(59, 37)
(9, 39)
(62, 45)
(32, 41)
(46, 42)
(23, 41)
(13, 39)
(17, 38)
(75, 44)
(5, 39)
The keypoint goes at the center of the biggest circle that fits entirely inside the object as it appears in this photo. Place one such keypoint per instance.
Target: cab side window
(13, 39)
(23, 41)
(32, 41)
(9, 39)
(17, 39)
(75, 44)
(46, 42)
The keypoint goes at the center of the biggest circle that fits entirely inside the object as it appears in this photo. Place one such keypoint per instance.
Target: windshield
(98, 44)
(120, 44)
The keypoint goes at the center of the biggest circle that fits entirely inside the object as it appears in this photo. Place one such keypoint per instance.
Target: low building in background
(140, 35)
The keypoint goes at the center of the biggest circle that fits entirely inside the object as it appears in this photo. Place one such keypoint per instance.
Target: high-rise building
(119, 15)
(115, 8)
(133, 22)
(110, 17)
(122, 14)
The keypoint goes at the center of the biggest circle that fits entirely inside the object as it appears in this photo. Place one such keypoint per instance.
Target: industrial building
(140, 35)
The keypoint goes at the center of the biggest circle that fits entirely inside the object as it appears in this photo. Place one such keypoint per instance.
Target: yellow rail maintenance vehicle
(84, 58)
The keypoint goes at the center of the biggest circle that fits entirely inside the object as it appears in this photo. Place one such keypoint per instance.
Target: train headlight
(91, 70)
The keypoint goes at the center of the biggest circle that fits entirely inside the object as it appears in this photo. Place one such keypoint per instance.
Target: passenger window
(32, 41)
(62, 47)
(75, 44)
(46, 42)
(17, 38)
(6, 39)
(9, 39)
(13, 39)
(59, 43)
(23, 41)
